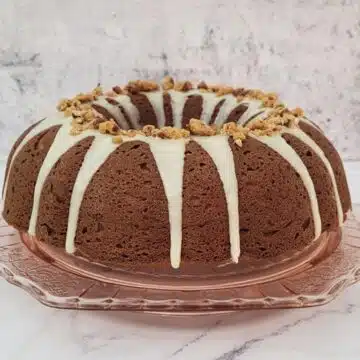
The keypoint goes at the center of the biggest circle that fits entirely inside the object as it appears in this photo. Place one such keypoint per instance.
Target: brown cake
(175, 175)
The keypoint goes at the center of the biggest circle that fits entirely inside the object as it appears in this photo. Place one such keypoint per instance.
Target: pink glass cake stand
(315, 278)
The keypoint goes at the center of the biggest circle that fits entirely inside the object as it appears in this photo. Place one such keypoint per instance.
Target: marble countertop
(30, 330)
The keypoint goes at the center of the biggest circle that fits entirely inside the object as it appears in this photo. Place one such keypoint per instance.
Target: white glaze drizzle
(62, 142)
(131, 110)
(230, 103)
(169, 158)
(220, 151)
(298, 133)
(178, 100)
(254, 107)
(156, 99)
(277, 143)
(210, 100)
(99, 151)
(47, 123)
(114, 111)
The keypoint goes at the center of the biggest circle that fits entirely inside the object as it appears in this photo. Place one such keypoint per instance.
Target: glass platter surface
(315, 277)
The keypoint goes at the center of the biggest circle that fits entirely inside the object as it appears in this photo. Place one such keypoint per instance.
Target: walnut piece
(198, 127)
(109, 127)
(183, 86)
(202, 85)
(224, 90)
(148, 130)
(141, 85)
(237, 132)
(168, 83)
(118, 90)
(117, 139)
(168, 132)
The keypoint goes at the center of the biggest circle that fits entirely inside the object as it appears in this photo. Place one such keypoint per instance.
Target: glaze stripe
(113, 110)
(62, 142)
(255, 108)
(16, 144)
(229, 104)
(178, 100)
(129, 110)
(99, 151)
(277, 143)
(210, 100)
(169, 157)
(41, 126)
(219, 150)
(156, 100)
(216, 111)
(298, 133)
(236, 113)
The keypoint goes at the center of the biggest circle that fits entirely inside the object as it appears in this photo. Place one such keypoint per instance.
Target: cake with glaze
(173, 175)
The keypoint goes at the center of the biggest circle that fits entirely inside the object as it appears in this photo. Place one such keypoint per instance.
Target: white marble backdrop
(308, 51)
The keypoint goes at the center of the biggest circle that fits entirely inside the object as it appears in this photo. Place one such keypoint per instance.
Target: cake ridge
(58, 147)
(278, 144)
(97, 154)
(41, 126)
(302, 136)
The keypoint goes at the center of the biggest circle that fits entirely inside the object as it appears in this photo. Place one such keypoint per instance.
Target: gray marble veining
(308, 51)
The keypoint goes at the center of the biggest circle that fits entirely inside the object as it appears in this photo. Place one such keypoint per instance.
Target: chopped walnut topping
(141, 85)
(168, 132)
(224, 90)
(202, 85)
(183, 86)
(117, 139)
(168, 83)
(131, 132)
(148, 130)
(118, 90)
(268, 99)
(80, 109)
(109, 127)
(83, 98)
(282, 116)
(198, 127)
(63, 104)
(262, 127)
(273, 124)
(97, 121)
(79, 101)
(240, 92)
(97, 91)
(237, 132)
(298, 112)
(77, 127)
(214, 88)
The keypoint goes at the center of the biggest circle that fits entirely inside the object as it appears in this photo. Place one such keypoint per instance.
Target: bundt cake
(170, 175)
